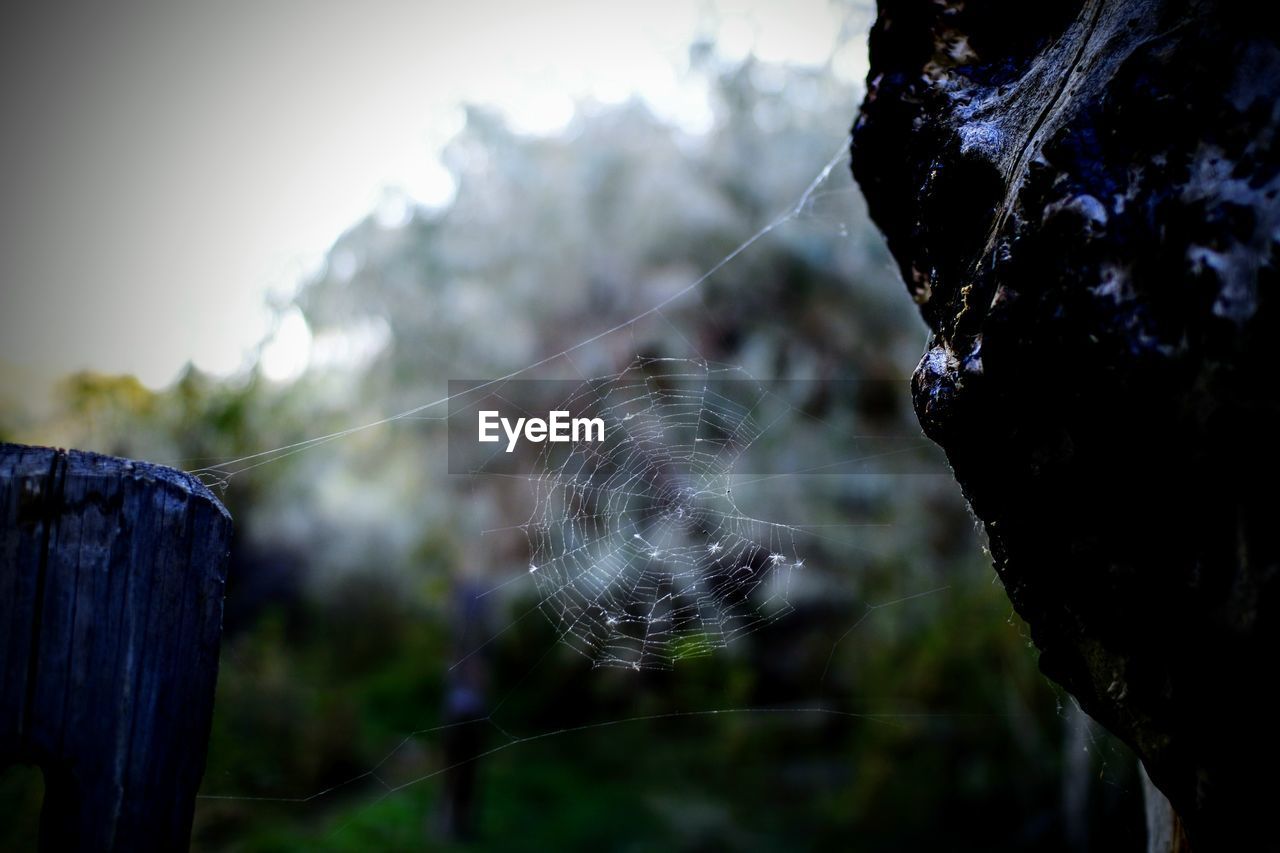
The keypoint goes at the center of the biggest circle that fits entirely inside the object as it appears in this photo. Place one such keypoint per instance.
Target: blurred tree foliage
(354, 560)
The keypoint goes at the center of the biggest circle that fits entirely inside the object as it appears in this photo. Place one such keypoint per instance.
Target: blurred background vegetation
(353, 578)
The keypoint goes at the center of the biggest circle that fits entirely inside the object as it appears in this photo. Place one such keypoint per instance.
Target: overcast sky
(166, 166)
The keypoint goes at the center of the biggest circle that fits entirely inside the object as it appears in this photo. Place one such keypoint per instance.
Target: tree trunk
(1082, 198)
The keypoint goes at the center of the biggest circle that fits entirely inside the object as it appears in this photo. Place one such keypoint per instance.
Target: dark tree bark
(1082, 198)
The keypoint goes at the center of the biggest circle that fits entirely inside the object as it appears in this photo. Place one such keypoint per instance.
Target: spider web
(640, 555)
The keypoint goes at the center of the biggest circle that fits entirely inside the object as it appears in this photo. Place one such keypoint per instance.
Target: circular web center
(639, 553)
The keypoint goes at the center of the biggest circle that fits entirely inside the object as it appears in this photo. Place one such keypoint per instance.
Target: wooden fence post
(111, 588)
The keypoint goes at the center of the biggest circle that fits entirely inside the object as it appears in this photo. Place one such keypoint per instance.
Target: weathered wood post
(111, 588)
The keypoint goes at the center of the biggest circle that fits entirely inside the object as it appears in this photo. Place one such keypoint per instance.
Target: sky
(170, 172)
